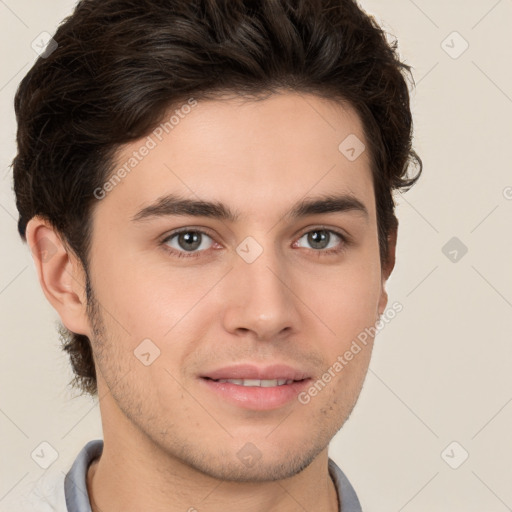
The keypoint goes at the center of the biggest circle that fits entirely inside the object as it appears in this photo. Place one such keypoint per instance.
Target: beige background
(441, 369)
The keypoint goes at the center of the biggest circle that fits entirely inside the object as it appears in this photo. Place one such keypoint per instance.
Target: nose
(260, 298)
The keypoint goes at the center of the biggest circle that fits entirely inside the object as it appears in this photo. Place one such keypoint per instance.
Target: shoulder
(55, 487)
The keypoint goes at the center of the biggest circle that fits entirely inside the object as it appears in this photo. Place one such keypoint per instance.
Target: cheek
(348, 300)
(146, 302)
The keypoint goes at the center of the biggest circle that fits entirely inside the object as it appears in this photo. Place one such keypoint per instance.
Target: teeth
(265, 383)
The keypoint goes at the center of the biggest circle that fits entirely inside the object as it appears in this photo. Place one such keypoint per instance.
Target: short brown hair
(120, 64)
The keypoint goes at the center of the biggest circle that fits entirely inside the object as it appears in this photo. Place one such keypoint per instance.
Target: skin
(169, 443)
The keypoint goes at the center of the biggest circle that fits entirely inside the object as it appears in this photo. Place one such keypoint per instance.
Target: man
(206, 187)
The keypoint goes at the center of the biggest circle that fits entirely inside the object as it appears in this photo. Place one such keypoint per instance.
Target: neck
(128, 478)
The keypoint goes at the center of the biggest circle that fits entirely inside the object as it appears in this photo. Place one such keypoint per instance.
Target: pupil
(316, 238)
(190, 237)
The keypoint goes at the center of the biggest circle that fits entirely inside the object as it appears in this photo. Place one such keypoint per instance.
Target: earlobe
(60, 274)
(388, 267)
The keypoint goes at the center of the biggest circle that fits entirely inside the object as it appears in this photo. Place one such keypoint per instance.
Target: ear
(61, 274)
(388, 266)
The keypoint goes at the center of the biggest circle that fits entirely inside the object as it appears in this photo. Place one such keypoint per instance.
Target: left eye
(317, 238)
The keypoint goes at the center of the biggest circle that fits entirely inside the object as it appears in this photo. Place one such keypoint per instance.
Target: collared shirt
(67, 492)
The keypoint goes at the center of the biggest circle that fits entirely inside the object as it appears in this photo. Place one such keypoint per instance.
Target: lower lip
(255, 397)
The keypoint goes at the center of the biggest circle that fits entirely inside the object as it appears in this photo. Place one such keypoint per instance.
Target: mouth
(261, 383)
(255, 394)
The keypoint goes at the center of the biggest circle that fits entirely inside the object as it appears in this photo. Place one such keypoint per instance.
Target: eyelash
(345, 242)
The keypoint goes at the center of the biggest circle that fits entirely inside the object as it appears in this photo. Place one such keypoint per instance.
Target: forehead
(258, 156)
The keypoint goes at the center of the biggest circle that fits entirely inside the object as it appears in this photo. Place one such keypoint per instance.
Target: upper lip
(250, 371)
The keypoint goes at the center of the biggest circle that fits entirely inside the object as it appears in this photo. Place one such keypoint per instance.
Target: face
(267, 291)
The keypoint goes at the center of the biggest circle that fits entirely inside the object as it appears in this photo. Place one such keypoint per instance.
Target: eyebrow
(173, 204)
